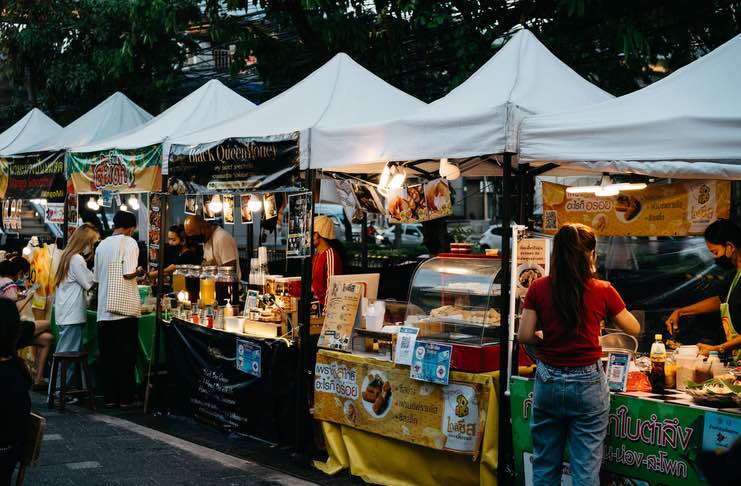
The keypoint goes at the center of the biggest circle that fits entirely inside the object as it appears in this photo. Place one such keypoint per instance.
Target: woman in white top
(74, 279)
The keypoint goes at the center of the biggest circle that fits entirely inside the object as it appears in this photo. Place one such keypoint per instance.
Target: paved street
(81, 448)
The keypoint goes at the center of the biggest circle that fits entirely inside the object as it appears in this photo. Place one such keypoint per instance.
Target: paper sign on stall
(249, 358)
(54, 213)
(405, 343)
(533, 262)
(342, 306)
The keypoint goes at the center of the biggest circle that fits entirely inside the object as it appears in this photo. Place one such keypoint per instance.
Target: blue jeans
(70, 341)
(571, 406)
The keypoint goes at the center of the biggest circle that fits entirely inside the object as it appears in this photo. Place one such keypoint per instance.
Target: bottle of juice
(658, 358)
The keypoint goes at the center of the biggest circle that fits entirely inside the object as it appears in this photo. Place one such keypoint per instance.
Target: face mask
(197, 240)
(724, 262)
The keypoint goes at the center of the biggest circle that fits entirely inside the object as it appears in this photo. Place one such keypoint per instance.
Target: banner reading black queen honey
(234, 163)
(34, 176)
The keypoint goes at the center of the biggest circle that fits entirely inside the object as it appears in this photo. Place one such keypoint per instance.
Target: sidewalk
(86, 449)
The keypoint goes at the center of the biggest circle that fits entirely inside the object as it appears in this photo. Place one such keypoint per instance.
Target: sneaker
(111, 405)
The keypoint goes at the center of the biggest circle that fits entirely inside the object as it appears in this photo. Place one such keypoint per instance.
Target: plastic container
(144, 292)
(208, 285)
(685, 370)
(670, 373)
(658, 359)
(716, 367)
(178, 278)
(227, 286)
(193, 283)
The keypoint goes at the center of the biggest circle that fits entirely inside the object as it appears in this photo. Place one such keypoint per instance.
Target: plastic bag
(637, 381)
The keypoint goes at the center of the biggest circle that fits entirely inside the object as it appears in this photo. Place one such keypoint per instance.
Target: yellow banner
(379, 397)
(681, 209)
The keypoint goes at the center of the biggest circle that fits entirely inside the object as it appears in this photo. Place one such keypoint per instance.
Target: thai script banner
(381, 398)
(33, 176)
(680, 209)
(116, 170)
(648, 442)
(234, 163)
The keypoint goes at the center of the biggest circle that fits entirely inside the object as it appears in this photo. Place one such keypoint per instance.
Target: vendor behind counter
(219, 247)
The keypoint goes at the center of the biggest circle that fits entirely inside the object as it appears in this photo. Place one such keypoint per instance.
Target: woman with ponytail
(561, 316)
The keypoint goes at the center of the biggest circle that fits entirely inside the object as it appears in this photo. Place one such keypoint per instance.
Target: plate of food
(627, 208)
(527, 273)
(376, 394)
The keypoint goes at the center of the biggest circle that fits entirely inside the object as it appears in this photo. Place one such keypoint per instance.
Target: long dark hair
(10, 327)
(571, 270)
(722, 232)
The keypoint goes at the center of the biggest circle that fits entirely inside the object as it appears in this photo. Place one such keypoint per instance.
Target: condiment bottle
(658, 358)
(228, 309)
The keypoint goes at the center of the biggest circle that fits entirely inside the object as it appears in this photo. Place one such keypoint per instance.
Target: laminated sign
(681, 209)
(383, 399)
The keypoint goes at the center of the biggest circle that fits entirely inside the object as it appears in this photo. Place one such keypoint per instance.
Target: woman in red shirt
(327, 260)
(562, 315)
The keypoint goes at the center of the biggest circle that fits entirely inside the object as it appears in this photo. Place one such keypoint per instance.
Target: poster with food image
(381, 398)
(15, 214)
(208, 213)
(680, 209)
(438, 199)
(395, 205)
(227, 200)
(192, 204)
(533, 262)
(416, 204)
(269, 205)
(347, 199)
(6, 214)
(368, 198)
(298, 243)
(342, 315)
(244, 208)
(72, 215)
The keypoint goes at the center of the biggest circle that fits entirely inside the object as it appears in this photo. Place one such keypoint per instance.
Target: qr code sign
(405, 342)
(550, 220)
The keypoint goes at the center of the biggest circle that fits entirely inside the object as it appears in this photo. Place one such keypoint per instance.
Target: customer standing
(15, 405)
(561, 316)
(73, 279)
(117, 335)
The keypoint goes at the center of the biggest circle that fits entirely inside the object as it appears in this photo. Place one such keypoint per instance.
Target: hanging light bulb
(255, 203)
(123, 207)
(449, 171)
(606, 188)
(398, 179)
(100, 201)
(606, 191)
(385, 177)
(93, 204)
(133, 202)
(215, 205)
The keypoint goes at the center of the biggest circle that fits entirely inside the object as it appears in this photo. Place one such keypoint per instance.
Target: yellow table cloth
(383, 460)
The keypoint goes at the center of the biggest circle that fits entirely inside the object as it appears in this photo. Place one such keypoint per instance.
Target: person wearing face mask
(723, 239)
(179, 251)
(219, 247)
(73, 279)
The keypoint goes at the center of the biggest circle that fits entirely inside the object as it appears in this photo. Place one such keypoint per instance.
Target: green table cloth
(147, 325)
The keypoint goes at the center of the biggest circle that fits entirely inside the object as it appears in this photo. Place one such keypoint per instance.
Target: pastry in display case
(457, 300)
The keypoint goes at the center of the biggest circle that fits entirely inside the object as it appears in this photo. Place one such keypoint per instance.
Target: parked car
(336, 213)
(411, 236)
(492, 238)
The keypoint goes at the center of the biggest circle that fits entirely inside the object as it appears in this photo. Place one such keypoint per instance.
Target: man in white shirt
(118, 336)
(219, 247)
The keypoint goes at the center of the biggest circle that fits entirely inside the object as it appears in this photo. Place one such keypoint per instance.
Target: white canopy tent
(114, 115)
(30, 129)
(479, 117)
(338, 94)
(689, 123)
(210, 104)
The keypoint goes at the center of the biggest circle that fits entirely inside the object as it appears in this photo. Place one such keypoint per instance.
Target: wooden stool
(66, 359)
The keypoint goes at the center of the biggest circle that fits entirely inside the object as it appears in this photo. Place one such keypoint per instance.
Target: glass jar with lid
(227, 286)
(193, 282)
(178, 278)
(208, 285)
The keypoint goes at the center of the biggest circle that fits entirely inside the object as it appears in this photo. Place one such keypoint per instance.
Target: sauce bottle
(658, 358)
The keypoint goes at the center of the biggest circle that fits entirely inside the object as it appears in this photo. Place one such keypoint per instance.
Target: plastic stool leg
(52, 382)
(63, 386)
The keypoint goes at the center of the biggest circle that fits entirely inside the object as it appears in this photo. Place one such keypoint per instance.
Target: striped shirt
(323, 266)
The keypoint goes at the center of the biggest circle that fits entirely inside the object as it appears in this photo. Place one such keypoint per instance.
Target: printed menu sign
(343, 304)
(681, 209)
(381, 398)
(533, 261)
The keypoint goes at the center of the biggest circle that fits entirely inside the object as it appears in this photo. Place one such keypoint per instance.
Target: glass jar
(227, 287)
(208, 285)
(178, 278)
(193, 282)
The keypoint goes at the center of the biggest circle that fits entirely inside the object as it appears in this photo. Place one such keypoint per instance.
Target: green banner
(649, 443)
(137, 170)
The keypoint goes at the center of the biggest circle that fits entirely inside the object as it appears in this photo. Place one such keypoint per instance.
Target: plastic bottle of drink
(658, 357)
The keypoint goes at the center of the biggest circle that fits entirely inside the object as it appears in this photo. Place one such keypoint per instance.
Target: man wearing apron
(723, 239)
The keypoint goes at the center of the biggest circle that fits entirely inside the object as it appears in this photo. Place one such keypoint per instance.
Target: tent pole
(303, 372)
(504, 470)
(522, 192)
(364, 242)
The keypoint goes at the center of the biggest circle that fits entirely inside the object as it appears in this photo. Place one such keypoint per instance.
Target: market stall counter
(232, 381)
(147, 325)
(652, 439)
(425, 434)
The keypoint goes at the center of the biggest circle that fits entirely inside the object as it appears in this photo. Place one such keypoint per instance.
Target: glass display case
(457, 299)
